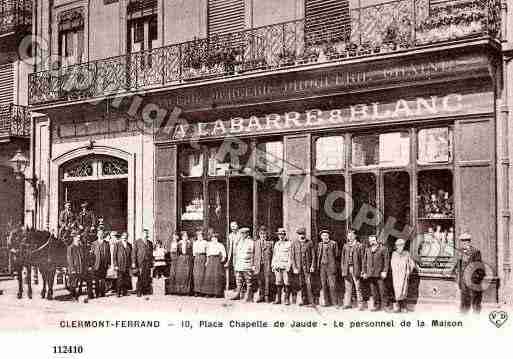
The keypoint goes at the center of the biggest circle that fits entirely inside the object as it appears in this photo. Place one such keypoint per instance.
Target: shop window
(241, 200)
(434, 145)
(365, 211)
(435, 227)
(192, 204)
(386, 149)
(329, 153)
(222, 162)
(217, 207)
(191, 163)
(269, 157)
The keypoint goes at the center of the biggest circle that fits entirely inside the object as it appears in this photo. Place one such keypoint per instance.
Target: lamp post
(19, 163)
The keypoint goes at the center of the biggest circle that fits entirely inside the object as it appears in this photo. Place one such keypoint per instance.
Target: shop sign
(375, 112)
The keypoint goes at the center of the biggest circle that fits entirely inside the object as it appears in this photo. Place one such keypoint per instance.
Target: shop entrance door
(241, 201)
(102, 182)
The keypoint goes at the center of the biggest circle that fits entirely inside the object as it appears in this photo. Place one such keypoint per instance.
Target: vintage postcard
(189, 171)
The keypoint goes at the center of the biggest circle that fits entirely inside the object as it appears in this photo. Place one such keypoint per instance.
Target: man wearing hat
(469, 275)
(102, 262)
(351, 269)
(243, 257)
(142, 262)
(327, 254)
(303, 265)
(78, 267)
(86, 219)
(262, 265)
(375, 267)
(281, 265)
(66, 219)
(233, 238)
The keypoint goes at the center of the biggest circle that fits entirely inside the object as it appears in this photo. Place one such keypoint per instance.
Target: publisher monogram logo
(498, 318)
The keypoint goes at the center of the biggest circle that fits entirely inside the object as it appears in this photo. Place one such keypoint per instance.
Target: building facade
(383, 117)
(15, 23)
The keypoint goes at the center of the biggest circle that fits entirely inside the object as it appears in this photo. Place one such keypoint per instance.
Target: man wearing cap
(66, 219)
(375, 266)
(262, 265)
(142, 262)
(102, 262)
(303, 265)
(78, 267)
(243, 258)
(233, 237)
(469, 275)
(86, 219)
(281, 265)
(327, 254)
(121, 258)
(351, 270)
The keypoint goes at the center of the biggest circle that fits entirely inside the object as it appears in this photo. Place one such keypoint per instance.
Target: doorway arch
(89, 165)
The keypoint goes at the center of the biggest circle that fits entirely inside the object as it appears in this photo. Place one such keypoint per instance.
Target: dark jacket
(86, 219)
(66, 219)
(76, 261)
(332, 248)
(261, 248)
(357, 259)
(469, 267)
(142, 253)
(188, 248)
(374, 263)
(122, 256)
(299, 263)
(102, 259)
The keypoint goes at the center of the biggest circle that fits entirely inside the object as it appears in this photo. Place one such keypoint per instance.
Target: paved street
(42, 314)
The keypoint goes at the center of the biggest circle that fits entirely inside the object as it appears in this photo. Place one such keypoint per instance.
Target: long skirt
(170, 286)
(183, 274)
(199, 272)
(214, 282)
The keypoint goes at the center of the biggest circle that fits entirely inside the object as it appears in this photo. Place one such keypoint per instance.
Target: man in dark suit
(327, 254)
(375, 266)
(262, 265)
(469, 275)
(122, 258)
(102, 261)
(66, 219)
(78, 267)
(351, 270)
(142, 262)
(303, 265)
(86, 220)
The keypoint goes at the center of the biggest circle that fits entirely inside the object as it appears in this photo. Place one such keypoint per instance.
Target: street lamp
(19, 163)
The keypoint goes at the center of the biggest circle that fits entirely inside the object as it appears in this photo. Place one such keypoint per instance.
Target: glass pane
(191, 164)
(364, 190)
(269, 157)
(386, 149)
(217, 207)
(329, 153)
(241, 201)
(365, 151)
(435, 145)
(192, 201)
(331, 214)
(435, 228)
(270, 204)
(221, 162)
(396, 202)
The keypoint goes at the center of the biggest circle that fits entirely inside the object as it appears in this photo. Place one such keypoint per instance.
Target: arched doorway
(100, 180)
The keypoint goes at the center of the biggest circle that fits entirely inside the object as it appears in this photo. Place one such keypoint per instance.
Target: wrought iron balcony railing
(14, 121)
(14, 15)
(384, 28)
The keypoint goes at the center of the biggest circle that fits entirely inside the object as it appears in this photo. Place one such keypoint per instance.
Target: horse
(47, 258)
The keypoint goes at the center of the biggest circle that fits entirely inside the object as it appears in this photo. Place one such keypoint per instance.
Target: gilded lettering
(313, 117)
(254, 122)
(273, 120)
(292, 118)
(219, 126)
(402, 109)
(452, 102)
(236, 125)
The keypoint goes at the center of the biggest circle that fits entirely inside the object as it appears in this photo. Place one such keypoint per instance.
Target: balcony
(15, 16)
(381, 29)
(14, 121)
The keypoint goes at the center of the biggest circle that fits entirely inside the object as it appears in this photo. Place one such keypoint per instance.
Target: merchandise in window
(329, 153)
(191, 164)
(192, 203)
(386, 150)
(222, 162)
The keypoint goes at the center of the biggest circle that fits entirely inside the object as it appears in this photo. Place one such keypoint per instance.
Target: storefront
(388, 150)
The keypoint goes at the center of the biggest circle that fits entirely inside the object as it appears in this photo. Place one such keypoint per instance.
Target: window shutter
(6, 84)
(327, 20)
(225, 16)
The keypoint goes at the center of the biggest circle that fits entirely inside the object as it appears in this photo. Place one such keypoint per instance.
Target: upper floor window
(71, 36)
(142, 26)
(225, 16)
(327, 20)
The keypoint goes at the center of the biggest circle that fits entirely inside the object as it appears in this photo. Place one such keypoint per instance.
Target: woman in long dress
(184, 263)
(172, 257)
(214, 281)
(402, 265)
(199, 251)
